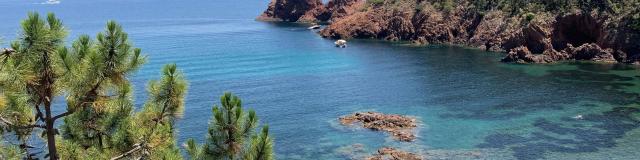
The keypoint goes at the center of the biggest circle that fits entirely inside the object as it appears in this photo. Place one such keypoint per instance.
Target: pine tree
(99, 121)
(231, 134)
(30, 78)
(94, 72)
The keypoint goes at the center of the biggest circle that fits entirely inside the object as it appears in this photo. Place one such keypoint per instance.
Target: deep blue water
(471, 106)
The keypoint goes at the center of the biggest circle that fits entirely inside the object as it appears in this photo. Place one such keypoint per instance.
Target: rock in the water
(400, 127)
(388, 153)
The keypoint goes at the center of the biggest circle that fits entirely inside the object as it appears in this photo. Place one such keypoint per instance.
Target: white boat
(341, 43)
(314, 27)
(51, 2)
(578, 117)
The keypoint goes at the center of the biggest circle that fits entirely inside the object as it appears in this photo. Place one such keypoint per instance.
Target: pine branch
(139, 146)
(135, 149)
(7, 51)
(39, 114)
(63, 114)
(69, 112)
(21, 127)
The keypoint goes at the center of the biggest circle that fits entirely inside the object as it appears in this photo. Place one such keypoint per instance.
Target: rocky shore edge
(533, 38)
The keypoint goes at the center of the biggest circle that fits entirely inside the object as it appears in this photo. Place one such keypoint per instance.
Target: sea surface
(469, 104)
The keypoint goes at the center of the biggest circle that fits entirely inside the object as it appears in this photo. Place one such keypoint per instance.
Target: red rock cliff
(543, 37)
(293, 11)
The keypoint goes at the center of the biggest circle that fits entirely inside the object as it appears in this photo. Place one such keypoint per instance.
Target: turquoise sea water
(471, 106)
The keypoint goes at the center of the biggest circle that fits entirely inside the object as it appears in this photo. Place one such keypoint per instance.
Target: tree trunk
(51, 132)
(47, 96)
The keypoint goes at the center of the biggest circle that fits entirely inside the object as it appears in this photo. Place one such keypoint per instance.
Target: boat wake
(51, 2)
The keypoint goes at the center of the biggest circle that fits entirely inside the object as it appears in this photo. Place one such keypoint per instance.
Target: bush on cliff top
(375, 2)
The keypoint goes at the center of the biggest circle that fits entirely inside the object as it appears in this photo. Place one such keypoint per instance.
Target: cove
(468, 102)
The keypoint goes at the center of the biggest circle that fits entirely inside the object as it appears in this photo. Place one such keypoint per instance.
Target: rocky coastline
(543, 36)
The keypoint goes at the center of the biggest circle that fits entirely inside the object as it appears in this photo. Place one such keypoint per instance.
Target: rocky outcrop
(388, 153)
(400, 127)
(337, 9)
(293, 11)
(310, 10)
(591, 52)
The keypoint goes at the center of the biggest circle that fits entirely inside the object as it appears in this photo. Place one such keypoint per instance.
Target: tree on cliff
(231, 134)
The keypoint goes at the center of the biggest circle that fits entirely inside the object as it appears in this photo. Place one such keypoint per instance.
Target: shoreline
(545, 36)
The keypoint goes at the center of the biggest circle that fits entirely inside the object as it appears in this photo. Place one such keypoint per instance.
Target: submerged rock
(400, 127)
(388, 153)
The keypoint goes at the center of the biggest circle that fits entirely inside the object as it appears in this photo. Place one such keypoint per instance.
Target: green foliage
(529, 16)
(29, 77)
(100, 121)
(261, 147)
(95, 70)
(231, 134)
(375, 2)
(167, 94)
(518, 7)
(635, 21)
(9, 152)
(445, 5)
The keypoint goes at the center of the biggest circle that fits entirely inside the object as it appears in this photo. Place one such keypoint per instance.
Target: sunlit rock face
(293, 11)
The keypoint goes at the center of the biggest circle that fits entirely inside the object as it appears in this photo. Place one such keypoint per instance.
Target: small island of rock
(400, 127)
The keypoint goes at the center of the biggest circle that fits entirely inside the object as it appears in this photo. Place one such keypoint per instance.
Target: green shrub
(529, 16)
(375, 2)
(635, 22)
(447, 5)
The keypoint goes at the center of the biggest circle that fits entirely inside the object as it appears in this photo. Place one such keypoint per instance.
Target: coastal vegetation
(231, 134)
(89, 81)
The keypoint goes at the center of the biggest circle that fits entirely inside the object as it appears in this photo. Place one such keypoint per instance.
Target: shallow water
(471, 106)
